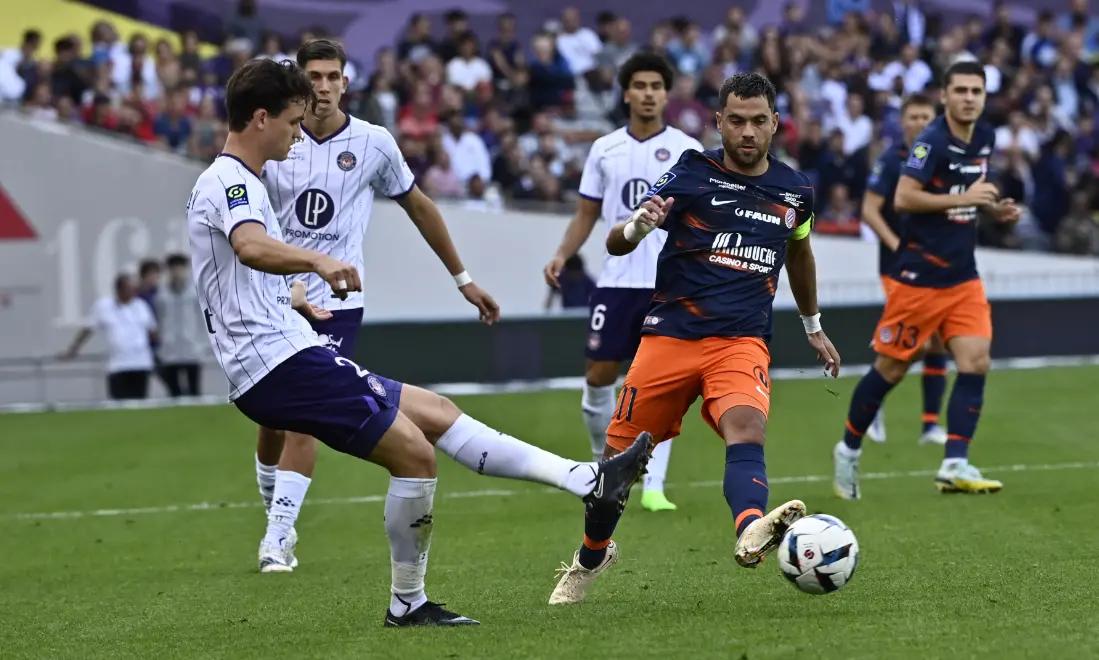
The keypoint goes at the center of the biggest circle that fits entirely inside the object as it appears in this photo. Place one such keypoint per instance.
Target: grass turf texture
(1007, 575)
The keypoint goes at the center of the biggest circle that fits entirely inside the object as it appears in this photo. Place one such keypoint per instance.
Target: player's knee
(601, 373)
(417, 461)
(439, 418)
(743, 425)
(977, 364)
(891, 369)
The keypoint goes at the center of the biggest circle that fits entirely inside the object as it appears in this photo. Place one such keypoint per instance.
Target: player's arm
(801, 267)
(912, 198)
(259, 251)
(624, 237)
(78, 342)
(872, 204)
(429, 221)
(583, 221)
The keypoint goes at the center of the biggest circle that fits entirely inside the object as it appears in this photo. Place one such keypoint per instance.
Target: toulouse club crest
(346, 161)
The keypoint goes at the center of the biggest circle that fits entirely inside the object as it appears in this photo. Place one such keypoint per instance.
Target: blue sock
(865, 403)
(934, 386)
(598, 528)
(963, 412)
(745, 483)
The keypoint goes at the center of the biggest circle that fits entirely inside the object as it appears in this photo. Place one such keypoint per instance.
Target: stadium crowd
(488, 117)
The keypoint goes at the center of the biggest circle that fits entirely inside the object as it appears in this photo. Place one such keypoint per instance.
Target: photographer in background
(182, 330)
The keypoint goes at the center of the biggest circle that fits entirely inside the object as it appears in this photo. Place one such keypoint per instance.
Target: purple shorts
(340, 331)
(614, 329)
(327, 396)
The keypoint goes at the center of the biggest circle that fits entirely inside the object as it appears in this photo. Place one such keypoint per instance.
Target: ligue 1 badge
(346, 161)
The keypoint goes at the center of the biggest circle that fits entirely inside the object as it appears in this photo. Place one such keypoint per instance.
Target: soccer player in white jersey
(322, 195)
(281, 376)
(620, 169)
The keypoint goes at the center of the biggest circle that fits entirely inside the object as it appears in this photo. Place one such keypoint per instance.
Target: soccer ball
(818, 554)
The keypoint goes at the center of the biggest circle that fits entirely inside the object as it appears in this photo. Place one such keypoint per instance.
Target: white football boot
(935, 435)
(876, 430)
(279, 558)
(575, 580)
(845, 482)
(763, 535)
(958, 476)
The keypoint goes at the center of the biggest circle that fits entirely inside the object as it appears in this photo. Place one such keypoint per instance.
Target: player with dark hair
(733, 217)
(620, 168)
(878, 213)
(935, 288)
(282, 377)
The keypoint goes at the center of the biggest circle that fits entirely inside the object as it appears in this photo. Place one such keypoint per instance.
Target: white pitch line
(495, 492)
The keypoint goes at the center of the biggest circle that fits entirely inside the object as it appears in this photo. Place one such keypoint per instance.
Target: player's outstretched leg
(956, 475)
(866, 401)
(603, 509)
(652, 495)
(269, 444)
(409, 521)
(933, 384)
(292, 479)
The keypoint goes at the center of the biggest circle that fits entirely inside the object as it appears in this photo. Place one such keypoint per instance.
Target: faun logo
(757, 215)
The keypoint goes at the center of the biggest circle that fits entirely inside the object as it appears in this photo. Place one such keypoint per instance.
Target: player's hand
(302, 306)
(1007, 211)
(655, 210)
(489, 310)
(826, 352)
(552, 271)
(342, 277)
(981, 193)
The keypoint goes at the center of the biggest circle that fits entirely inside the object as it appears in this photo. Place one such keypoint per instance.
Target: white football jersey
(252, 327)
(619, 171)
(324, 191)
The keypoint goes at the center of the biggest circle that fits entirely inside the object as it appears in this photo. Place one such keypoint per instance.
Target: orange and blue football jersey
(937, 249)
(726, 244)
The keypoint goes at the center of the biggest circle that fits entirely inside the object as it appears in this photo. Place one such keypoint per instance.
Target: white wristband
(635, 230)
(811, 323)
(462, 279)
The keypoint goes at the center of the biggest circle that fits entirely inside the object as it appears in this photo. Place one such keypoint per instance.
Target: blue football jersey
(937, 249)
(883, 181)
(726, 244)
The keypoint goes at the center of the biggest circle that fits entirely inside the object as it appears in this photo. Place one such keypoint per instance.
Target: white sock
(265, 479)
(487, 451)
(289, 493)
(597, 405)
(846, 451)
(658, 466)
(408, 524)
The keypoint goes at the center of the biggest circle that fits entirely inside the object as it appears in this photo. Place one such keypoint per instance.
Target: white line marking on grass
(495, 492)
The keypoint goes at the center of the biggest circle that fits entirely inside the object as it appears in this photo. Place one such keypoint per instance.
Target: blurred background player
(620, 169)
(323, 195)
(281, 377)
(935, 287)
(129, 330)
(878, 213)
(182, 328)
(737, 214)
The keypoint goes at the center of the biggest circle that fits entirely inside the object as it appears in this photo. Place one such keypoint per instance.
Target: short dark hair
(963, 68)
(455, 15)
(645, 62)
(322, 49)
(176, 259)
(922, 100)
(746, 86)
(147, 266)
(267, 85)
(32, 35)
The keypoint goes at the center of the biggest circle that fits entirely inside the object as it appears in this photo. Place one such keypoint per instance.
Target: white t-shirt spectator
(467, 74)
(915, 75)
(12, 86)
(125, 328)
(468, 156)
(579, 49)
(857, 131)
(1025, 140)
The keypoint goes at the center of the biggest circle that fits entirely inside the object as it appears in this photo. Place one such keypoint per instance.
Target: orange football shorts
(913, 313)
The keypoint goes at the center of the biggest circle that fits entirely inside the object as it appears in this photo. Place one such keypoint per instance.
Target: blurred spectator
(737, 32)
(417, 120)
(914, 72)
(1078, 233)
(68, 77)
(839, 215)
(1038, 45)
(271, 47)
(911, 20)
(39, 105)
(1051, 183)
(1003, 28)
(129, 329)
(105, 44)
(576, 286)
(684, 110)
(190, 62)
(550, 78)
(209, 133)
(457, 25)
(466, 150)
(618, 47)
(245, 23)
(149, 272)
(468, 69)
(19, 67)
(417, 42)
(686, 50)
(441, 181)
(505, 53)
(172, 126)
(181, 341)
(577, 44)
(856, 127)
(134, 67)
(1018, 135)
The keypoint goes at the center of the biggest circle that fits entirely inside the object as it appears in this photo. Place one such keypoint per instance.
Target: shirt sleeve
(673, 183)
(232, 199)
(923, 158)
(883, 176)
(393, 178)
(592, 181)
(805, 216)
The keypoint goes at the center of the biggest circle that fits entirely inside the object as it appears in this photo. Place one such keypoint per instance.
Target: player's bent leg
(597, 401)
(292, 479)
(487, 451)
(933, 387)
(956, 474)
(269, 444)
(866, 401)
(652, 493)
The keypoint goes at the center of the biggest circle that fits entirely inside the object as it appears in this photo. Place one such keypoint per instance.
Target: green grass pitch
(999, 576)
